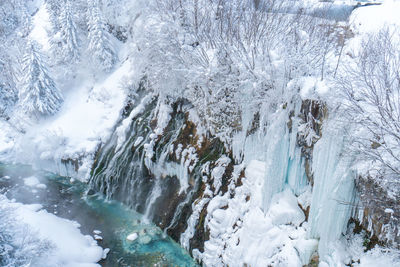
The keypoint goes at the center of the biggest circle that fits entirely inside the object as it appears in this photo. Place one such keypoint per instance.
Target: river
(71, 200)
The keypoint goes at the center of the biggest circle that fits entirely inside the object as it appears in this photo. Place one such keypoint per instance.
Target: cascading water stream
(138, 168)
(165, 176)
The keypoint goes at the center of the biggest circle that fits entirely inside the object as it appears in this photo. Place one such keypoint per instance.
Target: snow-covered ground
(58, 241)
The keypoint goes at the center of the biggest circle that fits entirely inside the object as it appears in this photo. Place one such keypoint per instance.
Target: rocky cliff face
(378, 213)
(161, 163)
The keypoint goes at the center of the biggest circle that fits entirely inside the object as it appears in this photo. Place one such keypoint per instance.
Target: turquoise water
(115, 221)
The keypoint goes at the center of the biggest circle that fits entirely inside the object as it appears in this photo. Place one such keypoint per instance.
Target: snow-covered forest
(251, 132)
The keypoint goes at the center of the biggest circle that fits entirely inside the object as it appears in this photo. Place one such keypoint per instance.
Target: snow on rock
(33, 181)
(219, 171)
(41, 186)
(379, 257)
(306, 248)
(105, 252)
(194, 218)
(163, 117)
(132, 237)
(124, 127)
(255, 173)
(284, 209)
(241, 233)
(70, 247)
(351, 250)
(389, 211)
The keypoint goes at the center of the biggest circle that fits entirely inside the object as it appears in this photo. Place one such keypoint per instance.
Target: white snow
(285, 209)
(124, 127)
(219, 171)
(87, 117)
(379, 257)
(163, 117)
(71, 247)
(132, 237)
(241, 233)
(105, 252)
(41, 26)
(373, 18)
(389, 211)
(31, 181)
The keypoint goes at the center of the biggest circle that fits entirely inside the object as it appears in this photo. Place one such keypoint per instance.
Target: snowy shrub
(231, 57)
(19, 245)
(371, 86)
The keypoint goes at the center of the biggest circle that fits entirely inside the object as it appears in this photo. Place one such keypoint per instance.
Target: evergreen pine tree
(8, 95)
(54, 8)
(39, 95)
(69, 37)
(100, 45)
(64, 40)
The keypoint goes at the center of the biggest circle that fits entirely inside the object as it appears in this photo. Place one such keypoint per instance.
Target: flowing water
(72, 201)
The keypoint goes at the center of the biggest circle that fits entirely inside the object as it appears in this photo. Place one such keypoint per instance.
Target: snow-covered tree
(15, 20)
(54, 8)
(69, 36)
(100, 45)
(39, 95)
(14, 26)
(371, 88)
(8, 94)
(64, 41)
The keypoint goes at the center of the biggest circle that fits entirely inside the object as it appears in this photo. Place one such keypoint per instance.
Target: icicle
(333, 193)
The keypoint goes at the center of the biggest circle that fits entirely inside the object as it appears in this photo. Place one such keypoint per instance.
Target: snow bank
(87, 117)
(70, 247)
(371, 19)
